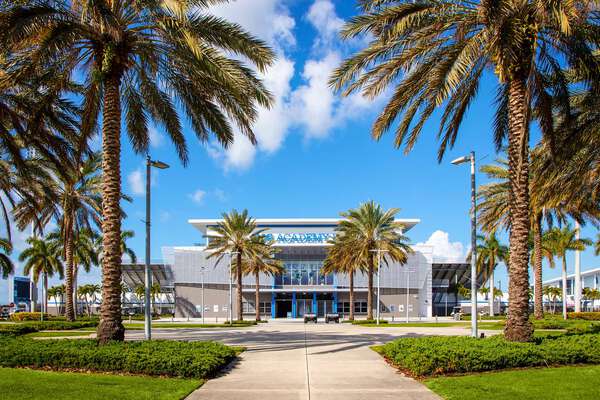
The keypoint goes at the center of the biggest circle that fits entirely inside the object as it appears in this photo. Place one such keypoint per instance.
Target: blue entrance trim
(334, 307)
(294, 305)
(273, 305)
(314, 305)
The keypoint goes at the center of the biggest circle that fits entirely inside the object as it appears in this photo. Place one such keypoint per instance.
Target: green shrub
(368, 321)
(427, 356)
(584, 328)
(30, 327)
(156, 357)
(16, 329)
(27, 316)
(588, 316)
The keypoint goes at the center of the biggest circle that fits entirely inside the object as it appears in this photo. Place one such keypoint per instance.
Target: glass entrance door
(303, 306)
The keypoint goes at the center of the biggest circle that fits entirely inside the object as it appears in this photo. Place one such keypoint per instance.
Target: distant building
(196, 285)
(589, 279)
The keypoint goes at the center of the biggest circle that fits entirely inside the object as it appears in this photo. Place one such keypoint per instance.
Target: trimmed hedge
(27, 316)
(156, 357)
(588, 316)
(29, 327)
(427, 356)
(368, 321)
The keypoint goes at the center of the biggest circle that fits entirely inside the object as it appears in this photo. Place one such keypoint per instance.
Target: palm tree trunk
(518, 327)
(491, 279)
(111, 326)
(75, 297)
(45, 310)
(69, 313)
(537, 267)
(257, 296)
(564, 286)
(351, 295)
(238, 272)
(371, 267)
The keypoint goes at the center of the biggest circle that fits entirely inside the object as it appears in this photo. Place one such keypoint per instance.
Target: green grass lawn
(419, 325)
(573, 382)
(25, 384)
(59, 334)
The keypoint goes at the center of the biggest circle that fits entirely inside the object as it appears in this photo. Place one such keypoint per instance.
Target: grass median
(572, 382)
(26, 384)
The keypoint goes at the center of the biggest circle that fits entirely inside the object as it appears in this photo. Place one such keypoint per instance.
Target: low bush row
(368, 321)
(588, 316)
(427, 356)
(156, 357)
(30, 326)
(27, 316)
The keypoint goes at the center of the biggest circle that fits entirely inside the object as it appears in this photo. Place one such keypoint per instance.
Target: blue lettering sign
(300, 238)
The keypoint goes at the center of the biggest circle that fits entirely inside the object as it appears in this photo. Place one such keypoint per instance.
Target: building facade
(589, 279)
(196, 285)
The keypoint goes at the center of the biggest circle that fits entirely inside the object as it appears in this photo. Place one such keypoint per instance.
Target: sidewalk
(311, 362)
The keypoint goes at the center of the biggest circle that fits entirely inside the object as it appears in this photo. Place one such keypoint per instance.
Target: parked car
(310, 318)
(333, 317)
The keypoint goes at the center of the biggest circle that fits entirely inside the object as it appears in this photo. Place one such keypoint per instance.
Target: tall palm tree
(74, 200)
(372, 229)
(548, 205)
(124, 248)
(559, 241)
(342, 258)
(155, 291)
(144, 60)
(6, 265)
(236, 234)
(435, 53)
(552, 292)
(263, 261)
(41, 258)
(57, 292)
(489, 253)
(597, 245)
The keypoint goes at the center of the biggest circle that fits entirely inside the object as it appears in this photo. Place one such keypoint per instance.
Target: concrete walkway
(291, 360)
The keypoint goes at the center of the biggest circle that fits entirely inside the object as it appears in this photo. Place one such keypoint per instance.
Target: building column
(335, 301)
(294, 305)
(314, 304)
(273, 315)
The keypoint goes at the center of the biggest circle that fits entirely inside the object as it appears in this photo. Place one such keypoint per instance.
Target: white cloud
(311, 106)
(220, 195)
(165, 216)
(323, 17)
(136, 182)
(443, 249)
(156, 138)
(198, 196)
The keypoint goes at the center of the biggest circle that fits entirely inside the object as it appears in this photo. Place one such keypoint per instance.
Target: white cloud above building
(443, 249)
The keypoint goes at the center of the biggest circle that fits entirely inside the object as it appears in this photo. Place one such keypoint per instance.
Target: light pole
(378, 251)
(231, 254)
(202, 294)
(147, 277)
(471, 158)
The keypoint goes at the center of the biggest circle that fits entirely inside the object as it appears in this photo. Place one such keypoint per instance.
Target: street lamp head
(461, 160)
(159, 164)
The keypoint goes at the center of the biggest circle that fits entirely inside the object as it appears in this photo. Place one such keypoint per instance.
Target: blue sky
(315, 156)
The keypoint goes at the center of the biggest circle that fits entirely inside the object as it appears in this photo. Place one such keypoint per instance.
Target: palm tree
(160, 59)
(140, 293)
(435, 53)
(261, 262)
(372, 229)
(597, 245)
(154, 293)
(6, 265)
(89, 293)
(494, 211)
(236, 234)
(559, 242)
(553, 292)
(489, 253)
(342, 258)
(41, 258)
(57, 292)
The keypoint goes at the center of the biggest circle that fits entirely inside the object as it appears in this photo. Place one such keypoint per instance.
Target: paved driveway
(291, 360)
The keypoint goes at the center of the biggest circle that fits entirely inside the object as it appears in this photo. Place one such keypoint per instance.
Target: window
(360, 307)
(344, 307)
(248, 307)
(265, 307)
